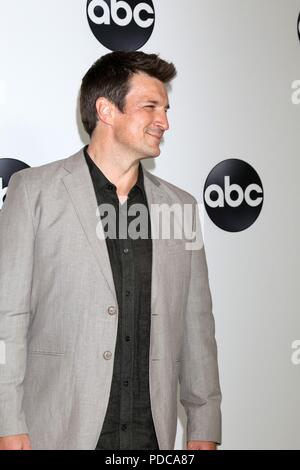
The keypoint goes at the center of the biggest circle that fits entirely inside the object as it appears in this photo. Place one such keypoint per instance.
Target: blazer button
(112, 310)
(107, 355)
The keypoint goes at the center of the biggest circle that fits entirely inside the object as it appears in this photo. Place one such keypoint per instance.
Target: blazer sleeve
(16, 264)
(200, 392)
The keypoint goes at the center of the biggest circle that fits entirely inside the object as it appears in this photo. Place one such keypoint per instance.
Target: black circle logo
(8, 166)
(233, 195)
(121, 25)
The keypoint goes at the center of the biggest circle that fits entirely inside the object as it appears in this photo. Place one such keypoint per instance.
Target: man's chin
(156, 152)
(152, 154)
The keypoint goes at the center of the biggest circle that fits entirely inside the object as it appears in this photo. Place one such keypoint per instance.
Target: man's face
(141, 126)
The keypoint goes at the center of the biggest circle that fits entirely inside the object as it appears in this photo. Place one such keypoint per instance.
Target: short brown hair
(110, 77)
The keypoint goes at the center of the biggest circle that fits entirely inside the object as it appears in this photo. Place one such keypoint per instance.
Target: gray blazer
(59, 316)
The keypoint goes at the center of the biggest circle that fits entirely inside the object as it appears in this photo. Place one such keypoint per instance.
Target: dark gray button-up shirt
(128, 423)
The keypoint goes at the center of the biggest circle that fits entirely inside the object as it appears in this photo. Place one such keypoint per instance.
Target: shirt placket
(127, 337)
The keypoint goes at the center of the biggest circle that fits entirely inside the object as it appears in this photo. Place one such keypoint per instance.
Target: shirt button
(107, 355)
(125, 383)
(110, 187)
(127, 338)
(124, 427)
(127, 293)
(125, 251)
(112, 310)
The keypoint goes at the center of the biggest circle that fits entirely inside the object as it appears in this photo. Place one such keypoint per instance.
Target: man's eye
(149, 106)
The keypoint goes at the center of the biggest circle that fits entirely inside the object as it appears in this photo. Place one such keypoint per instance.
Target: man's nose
(162, 120)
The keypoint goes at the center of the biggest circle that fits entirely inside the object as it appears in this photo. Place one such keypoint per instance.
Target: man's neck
(123, 174)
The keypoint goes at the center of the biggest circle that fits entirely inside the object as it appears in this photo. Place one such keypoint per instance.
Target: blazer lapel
(155, 195)
(80, 188)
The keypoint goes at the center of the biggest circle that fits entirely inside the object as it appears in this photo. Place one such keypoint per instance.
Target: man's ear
(104, 110)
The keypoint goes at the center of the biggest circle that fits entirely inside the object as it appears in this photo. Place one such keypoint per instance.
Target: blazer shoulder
(42, 173)
(175, 191)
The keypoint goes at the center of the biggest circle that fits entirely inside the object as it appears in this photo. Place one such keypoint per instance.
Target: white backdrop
(237, 62)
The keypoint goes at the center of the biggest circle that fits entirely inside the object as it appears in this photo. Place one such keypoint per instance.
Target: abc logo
(233, 195)
(119, 24)
(8, 167)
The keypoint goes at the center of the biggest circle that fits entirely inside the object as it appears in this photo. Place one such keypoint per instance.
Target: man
(98, 325)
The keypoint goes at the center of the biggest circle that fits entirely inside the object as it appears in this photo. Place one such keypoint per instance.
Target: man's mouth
(157, 136)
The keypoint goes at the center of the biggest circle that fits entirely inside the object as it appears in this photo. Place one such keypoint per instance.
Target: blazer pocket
(41, 352)
(47, 334)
